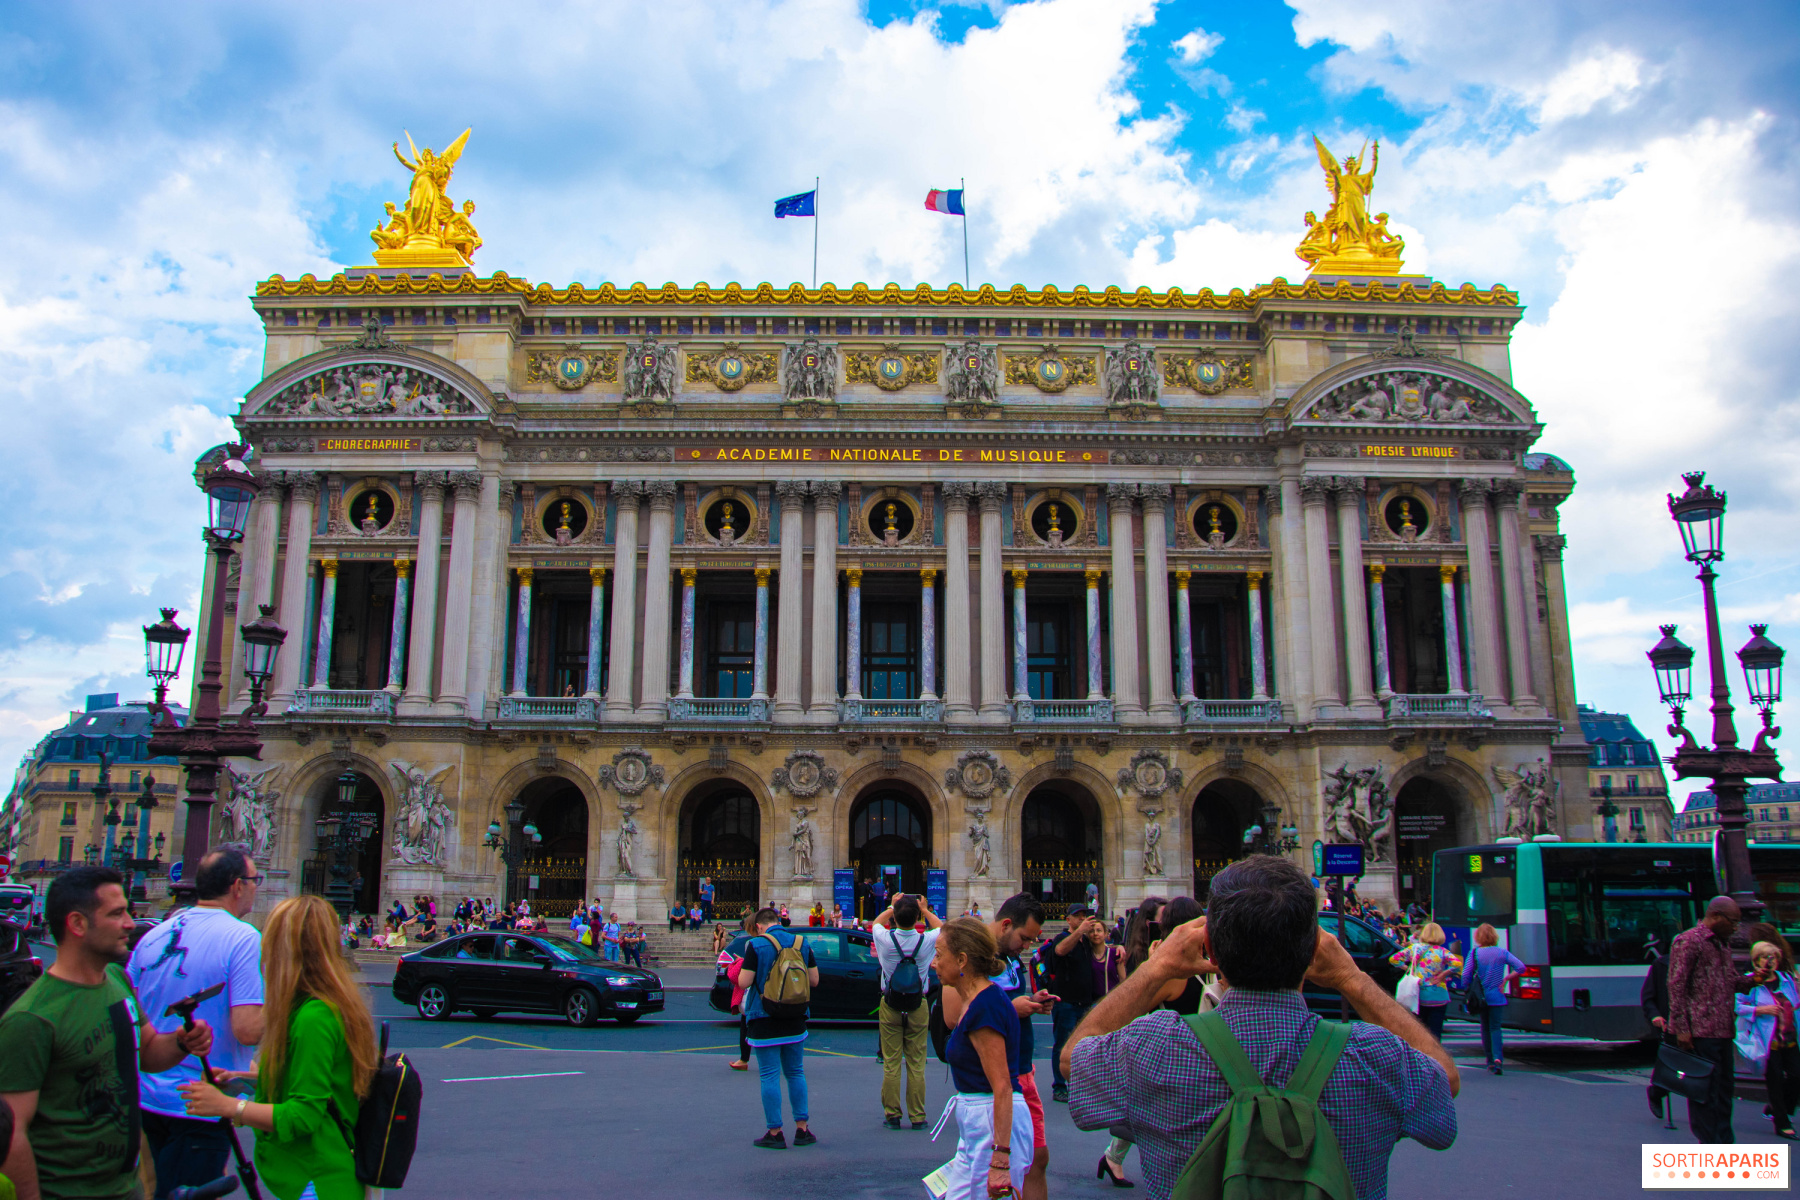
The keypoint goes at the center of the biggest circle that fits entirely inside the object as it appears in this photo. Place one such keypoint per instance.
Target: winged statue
(422, 827)
(1347, 238)
(1529, 807)
(428, 226)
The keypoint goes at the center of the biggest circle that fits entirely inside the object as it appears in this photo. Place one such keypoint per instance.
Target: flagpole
(815, 232)
(963, 186)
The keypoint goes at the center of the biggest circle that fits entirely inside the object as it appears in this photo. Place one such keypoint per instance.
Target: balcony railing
(1232, 712)
(860, 710)
(548, 708)
(1411, 704)
(338, 702)
(1063, 712)
(1643, 793)
(713, 708)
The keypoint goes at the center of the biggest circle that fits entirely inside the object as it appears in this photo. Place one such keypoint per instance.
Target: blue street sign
(175, 873)
(1343, 860)
(843, 888)
(937, 890)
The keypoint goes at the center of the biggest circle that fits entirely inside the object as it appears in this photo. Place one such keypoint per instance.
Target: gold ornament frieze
(572, 368)
(891, 368)
(729, 369)
(1208, 374)
(1049, 370)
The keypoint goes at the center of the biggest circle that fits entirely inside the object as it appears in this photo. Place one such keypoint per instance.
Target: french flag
(945, 202)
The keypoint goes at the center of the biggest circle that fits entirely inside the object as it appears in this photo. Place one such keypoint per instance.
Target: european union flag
(796, 206)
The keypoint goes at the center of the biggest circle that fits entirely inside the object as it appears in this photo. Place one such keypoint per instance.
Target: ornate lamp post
(138, 884)
(511, 846)
(1609, 812)
(206, 740)
(1271, 836)
(103, 792)
(1699, 514)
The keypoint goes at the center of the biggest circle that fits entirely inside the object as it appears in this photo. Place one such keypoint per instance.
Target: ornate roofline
(500, 284)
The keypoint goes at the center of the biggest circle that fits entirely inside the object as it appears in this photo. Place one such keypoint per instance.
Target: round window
(1054, 516)
(1215, 523)
(1407, 517)
(372, 510)
(727, 519)
(890, 520)
(564, 519)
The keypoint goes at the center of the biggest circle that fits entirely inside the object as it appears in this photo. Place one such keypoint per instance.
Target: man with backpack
(1197, 1094)
(778, 974)
(905, 956)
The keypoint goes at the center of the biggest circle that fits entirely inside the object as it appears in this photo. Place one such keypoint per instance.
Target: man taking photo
(71, 1048)
(905, 956)
(1068, 964)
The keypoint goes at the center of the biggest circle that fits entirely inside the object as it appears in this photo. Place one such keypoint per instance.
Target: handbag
(1687, 1075)
(1408, 992)
(1475, 995)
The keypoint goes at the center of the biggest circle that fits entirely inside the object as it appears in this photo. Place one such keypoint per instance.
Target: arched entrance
(1059, 848)
(553, 872)
(890, 837)
(353, 855)
(1429, 816)
(1222, 811)
(721, 840)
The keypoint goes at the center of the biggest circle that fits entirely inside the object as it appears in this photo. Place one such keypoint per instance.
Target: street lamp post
(103, 792)
(1271, 836)
(207, 740)
(138, 883)
(1699, 514)
(1609, 812)
(511, 843)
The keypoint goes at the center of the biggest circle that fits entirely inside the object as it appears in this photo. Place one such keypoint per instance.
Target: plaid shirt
(1154, 1078)
(1703, 982)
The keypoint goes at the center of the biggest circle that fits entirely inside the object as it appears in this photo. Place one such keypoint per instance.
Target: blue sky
(1632, 170)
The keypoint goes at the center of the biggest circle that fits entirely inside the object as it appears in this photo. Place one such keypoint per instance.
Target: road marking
(482, 1037)
(486, 1078)
(839, 1053)
(696, 1049)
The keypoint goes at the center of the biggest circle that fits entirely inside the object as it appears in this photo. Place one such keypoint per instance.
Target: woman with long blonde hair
(317, 1062)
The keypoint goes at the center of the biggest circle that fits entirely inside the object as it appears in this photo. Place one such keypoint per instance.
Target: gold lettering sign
(1409, 452)
(366, 445)
(1055, 455)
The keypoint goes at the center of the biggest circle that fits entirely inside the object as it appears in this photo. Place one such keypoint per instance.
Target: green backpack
(1269, 1143)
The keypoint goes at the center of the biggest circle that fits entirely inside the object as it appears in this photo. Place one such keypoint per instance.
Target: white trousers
(973, 1114)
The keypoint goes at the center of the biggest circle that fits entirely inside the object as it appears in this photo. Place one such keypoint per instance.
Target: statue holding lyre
(428, 231)
(1347, 241)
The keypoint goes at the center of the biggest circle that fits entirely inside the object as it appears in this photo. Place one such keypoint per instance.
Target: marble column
(1484, 620)
(1356, 612)
(1096, 670)
(928, 634)
(296, 581)
(653, 703)
(1021, 650)
(596, 631)
(421, 654)
(487, 610)
(521, 656)
(453, 672)
(759, 671)
(822, 704)
(790, 612)
(1291, 629)
(1452, 635)
(396, 664)
(958, 691)
(256, 571)
(1322, 620)
(1556, 608)
(994, 707)
(1259, 669)
(1384, 677)
(327, 618)
(1156, 602)
(1128, 703)
(853, 633)
(622, 645)
(688, 578)
(1519, 587)
(1184, 636)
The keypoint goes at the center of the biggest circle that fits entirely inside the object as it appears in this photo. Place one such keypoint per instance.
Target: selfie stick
(185, 1010)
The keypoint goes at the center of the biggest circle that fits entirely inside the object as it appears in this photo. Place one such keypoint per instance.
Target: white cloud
(1602, 76)
(1196, 47)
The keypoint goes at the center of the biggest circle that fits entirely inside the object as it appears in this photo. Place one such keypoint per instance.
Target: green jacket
(309, 1145)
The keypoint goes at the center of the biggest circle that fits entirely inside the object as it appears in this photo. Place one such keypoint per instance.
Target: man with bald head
(1703, 982)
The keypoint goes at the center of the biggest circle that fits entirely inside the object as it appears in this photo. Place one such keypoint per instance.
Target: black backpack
(387, 1125)
(905, 988)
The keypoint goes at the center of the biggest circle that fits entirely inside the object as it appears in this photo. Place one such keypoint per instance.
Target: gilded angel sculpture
(1348, 241)
(428, 231)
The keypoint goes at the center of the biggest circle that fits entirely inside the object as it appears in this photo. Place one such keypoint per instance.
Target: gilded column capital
(928, 575)
(330, 565)
(762, 577)
(825, 490)
(1550, 545)
(403, 567)
(1377, 570)
(1446, 572)
(431, 484)
(1092, 575)
(853, 576)
(1154, 495)
(1314, 489)
(791, 493)
(1182, 576)
(1253, 579)
(525, 574)
(1018, 576)
(956, 494)
(1121, 493)
(467, 484)
(991, 495)
(688, 576)
(597, 576)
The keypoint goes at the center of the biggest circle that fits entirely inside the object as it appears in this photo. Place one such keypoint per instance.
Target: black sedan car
(19, 967)
(1368, 946)
(500, 971)
(849, 977)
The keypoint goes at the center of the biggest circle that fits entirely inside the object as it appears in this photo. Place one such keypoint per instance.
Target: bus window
(1776, 870)
(1618, 906)
(1474, 887)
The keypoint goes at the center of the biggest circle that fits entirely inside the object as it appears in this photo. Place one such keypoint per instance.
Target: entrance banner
(843, 888)
(937, 890)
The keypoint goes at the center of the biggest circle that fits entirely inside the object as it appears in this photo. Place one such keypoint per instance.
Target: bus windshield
(1776, 870)
(1475, 887)
(1617, 905)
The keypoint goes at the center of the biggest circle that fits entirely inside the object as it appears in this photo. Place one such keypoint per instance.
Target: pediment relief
(360, 382)
(1410, 391)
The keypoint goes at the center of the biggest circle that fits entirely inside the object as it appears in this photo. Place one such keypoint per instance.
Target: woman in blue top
(994, 1139)
(1492, 964)
(1766, 1030)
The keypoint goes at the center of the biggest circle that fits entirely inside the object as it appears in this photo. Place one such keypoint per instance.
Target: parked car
(1369, 946)
(849, 977)
(488, 973)
(18, 904)
(19, 967)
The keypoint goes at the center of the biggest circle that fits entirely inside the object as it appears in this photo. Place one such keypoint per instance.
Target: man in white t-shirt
(904, 1014)
(193, 950)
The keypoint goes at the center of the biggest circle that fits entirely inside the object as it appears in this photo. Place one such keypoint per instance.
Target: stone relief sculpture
(804, 774)
(650, 373)
(1358, 810)
(800, 838)
(248, 814)
(1129, 376)
(977, 774)
(1411, 397)
(422, 826)
(628, 836)
(1149, 774)
(631, 772)
(809, 371)
(980, 844)
(1529, 799)
(1153, 863)
(972, 374)
(369, 389)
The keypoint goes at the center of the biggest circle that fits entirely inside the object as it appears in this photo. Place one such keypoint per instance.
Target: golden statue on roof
(1349, 241)
(429, 231)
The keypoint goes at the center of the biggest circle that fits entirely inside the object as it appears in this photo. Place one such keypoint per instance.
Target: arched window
(887, 814)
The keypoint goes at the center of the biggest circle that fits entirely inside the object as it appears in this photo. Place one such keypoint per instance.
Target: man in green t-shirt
(71, 1048)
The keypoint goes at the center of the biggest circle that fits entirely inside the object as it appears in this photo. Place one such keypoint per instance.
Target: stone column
(1483, 619)
(296, 578)
(928, 634)
(653, 704)
(1184, 636)
(397, 631)
(1291, 633)
(256, 579)
(994, 708)
(822, 708)
(622, 648)
(792, 495)
(1384, 679)
(1020, 644)
(853, 633)
(487, 610)
(958, 697)
(1320, 617)
(327, 618)
(688, 577)
(421, 654)
(1128, 703)
(1259, 670)
(596, 609)
(1356, 614)
(1519, 586)
(1096, 674)
(1452, 635)
(453, 675)
(522, 633)
(1556, 610)
(759, 671)
(1156, 602)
